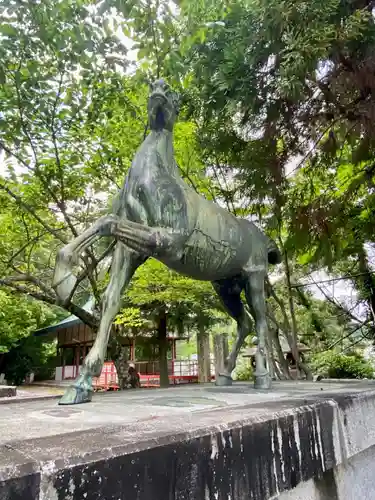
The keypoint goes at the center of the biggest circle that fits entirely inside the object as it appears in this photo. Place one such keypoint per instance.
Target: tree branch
(346, 336)
(337, 304)
(32, 212)
(29, 279)
(26, 291)
(15, 287)
(54, 139)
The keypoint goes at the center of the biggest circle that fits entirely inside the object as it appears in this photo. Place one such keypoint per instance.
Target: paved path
(33, 392)
(33, 419)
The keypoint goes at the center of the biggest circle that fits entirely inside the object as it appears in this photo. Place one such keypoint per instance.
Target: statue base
(223, 380)
(263, 381)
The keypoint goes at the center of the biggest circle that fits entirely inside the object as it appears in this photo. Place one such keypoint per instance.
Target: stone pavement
(41, 418)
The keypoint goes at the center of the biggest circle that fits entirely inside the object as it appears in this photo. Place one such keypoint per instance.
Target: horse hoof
(262, 382)
(76, 395)
(223, 380)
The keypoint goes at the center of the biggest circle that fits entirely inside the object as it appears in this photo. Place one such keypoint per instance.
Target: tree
(159, 300)
(76, 123)
(20, 352)
(57, 78)
(20, 316)
(272, 99)
(275, 125)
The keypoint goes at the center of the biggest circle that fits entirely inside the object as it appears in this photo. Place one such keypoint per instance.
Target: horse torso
(211, 243)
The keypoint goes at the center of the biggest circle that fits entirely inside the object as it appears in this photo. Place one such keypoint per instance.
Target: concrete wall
(353, 481)
(315, 447)
(70, 372)
(352, 476)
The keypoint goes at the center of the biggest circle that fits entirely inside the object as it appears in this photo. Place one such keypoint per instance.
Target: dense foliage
(276, 124)
(334, 365)
(243, 371)
(30, 355)
(20, 316)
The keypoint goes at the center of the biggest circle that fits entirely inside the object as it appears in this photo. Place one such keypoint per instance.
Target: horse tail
(274, 254)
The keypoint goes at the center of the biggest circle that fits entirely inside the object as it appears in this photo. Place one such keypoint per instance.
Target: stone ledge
(19, 476)
(253, 451)
(8, 391)
(18, 399)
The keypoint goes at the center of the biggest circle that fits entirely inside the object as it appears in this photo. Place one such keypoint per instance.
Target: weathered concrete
(301, 441)
(8, 391)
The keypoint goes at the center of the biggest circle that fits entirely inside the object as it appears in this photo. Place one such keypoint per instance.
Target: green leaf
(8, 29)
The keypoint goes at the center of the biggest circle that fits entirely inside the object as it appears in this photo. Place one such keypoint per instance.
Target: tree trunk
(221, 351)
(119, 355)
(284, 366)
(274, 334)
(269, 356)
(271, 364)
(163, 349)
(121, 364)
(204, 361)
(287, 329)
(292, 338)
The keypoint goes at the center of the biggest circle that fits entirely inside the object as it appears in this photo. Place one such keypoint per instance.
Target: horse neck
(164, 147)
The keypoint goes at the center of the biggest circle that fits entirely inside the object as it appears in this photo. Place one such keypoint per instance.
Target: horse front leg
(124, 264)
(255, 296)
(151, 241)
(63, 279)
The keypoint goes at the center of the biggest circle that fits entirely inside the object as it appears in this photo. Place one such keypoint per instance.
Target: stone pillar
(204, 361)
(221, 351)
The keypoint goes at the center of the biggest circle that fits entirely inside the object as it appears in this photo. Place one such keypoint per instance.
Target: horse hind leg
(124, 265)
(255, 297)
(229, 292)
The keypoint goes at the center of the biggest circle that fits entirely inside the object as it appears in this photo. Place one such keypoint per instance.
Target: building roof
(67, 322)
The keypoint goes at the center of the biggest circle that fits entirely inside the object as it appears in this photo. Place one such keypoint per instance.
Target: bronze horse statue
(158, 215)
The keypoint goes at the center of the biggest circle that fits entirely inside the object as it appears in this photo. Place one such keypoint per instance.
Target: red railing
(108, 377)
(180, 372)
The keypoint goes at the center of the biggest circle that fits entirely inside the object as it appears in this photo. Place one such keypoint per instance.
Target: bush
(243, 371)
(30, 355)
(333, 365)
(45, 372)
(17, 366)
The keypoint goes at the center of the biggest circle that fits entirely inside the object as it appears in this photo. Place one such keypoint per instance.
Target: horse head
(162, 106)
